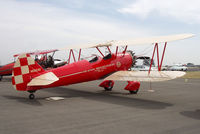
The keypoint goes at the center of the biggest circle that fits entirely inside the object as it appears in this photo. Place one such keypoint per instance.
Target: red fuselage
(6, 69)
(83, 71)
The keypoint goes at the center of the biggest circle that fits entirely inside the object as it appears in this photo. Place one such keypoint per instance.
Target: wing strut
(162, 56)
(71, 53)
(116, 50)
(125, 49)
(159, 62)
(69, 56)
(79, 55)
(109, 49)
(99, 51)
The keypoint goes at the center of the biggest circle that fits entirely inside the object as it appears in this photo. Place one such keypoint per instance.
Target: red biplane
(29, 76)
(46, 61)
(6, 70)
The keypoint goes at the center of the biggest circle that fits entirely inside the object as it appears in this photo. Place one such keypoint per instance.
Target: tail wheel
(31, 96)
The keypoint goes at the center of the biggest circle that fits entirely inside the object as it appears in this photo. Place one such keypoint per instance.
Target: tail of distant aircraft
(23, 71)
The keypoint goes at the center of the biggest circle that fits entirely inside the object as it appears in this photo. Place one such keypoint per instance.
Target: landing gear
(133, 87)
(109, 88)
(31, 96)
(107, 85)
(133, 92)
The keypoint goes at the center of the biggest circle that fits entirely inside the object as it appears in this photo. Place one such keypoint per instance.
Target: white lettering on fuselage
(98, 69)
(35, 70)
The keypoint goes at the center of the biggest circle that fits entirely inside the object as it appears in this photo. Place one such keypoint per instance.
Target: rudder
(23, 71)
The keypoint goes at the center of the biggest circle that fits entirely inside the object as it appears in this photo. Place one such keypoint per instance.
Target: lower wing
(154, 76)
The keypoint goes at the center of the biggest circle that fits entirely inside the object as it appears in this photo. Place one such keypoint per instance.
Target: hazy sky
(28, 25)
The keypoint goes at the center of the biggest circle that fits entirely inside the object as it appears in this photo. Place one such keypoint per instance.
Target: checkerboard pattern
(23, 69)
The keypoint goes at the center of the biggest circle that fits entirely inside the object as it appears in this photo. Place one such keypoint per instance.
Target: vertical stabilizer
(24, 68)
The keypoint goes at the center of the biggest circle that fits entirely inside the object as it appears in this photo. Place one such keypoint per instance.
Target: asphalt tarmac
(171, 107)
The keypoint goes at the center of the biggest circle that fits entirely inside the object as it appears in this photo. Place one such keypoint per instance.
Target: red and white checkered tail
(23, 71)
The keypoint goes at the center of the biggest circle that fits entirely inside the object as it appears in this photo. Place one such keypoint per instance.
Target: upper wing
(138, 41)
(38, 52)
(154, 76)
(158, 39)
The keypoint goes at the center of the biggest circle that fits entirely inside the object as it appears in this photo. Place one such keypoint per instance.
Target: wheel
(108, 88)
(31, 96)
(133, 92)
(1, 77)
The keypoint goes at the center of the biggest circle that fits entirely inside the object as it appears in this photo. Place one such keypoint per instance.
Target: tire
(108, 88)
(134, 92)
(31, 96)
(1, 77)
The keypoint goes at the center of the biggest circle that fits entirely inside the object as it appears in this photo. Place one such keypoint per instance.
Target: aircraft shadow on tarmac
(35, 102)
(110, 97)
(6, 79)
(102, 96)
(192, 114)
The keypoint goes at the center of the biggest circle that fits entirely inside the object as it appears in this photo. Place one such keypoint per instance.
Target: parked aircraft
(45, 60)
(29, 76)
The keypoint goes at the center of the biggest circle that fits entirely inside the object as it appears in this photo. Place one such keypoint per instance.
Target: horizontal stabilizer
(44, 79)
(154, 76)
